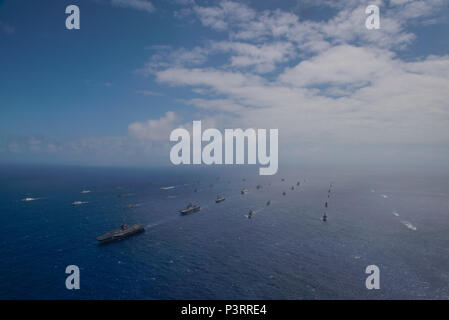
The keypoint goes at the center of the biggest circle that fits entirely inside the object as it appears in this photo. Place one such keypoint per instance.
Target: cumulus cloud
(225, 13)
(260, 58)
(340, 65)
(334, 89)
(154, 130)
(381, 91)
(144, 5)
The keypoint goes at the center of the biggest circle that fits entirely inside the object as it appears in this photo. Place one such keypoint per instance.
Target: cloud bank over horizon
(337, 92)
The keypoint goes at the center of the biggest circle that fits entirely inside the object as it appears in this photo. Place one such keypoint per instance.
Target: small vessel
(189, 209)
(219, 199)
(282, 179)
(293, 188)
(283, 193)
(78, 203)
(129, 206)
(244, 191)
(326, 204)
(85, 191)
(124, 232)
(258, 187)
(268, 202)
(28, 199)
(250, 214)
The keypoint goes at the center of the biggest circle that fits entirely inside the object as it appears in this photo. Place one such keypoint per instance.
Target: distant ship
(189, 209)
(78, 203)
(219, 199)
(28, 199)
(283, 193)
(250, 214)
(129, 206)
(293, 188)
(258, 187)
(244, 191)
(85, 191)
(268, 202)
(125, 231)
(325, 204)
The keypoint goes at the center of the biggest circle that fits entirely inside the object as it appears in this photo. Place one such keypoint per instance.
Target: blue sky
(109, 93)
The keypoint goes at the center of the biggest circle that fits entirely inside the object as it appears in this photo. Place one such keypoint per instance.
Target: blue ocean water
(397, 220)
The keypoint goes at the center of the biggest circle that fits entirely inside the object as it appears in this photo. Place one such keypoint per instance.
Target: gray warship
(189, 209)
(219, 199)
(125, 231)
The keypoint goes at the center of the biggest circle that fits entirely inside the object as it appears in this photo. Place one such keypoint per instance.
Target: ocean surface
(397, 220)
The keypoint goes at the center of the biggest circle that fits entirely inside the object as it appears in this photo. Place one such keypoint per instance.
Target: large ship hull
(189, 210)
(121, 234)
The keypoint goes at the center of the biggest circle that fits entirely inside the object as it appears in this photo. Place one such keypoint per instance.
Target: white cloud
(226, 13)
(144, 5)
(338, 87)
(154, 130)
(333, 88)
(166, 56)
(216, 105)
(340, 65)
(262, 58)
(389, 102)
(346, 27)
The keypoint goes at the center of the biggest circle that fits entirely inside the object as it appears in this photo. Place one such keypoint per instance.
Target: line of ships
(126, 231)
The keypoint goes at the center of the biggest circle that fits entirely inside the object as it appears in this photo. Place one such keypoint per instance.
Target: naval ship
(125, 231)
(219, 199)
(189, 209)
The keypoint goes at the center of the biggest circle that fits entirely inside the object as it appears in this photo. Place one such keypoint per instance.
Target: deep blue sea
(395, 219)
